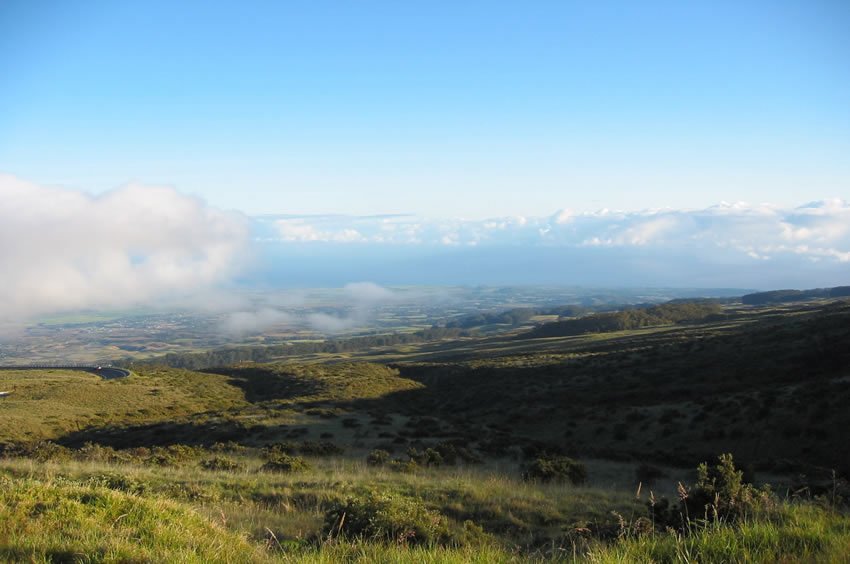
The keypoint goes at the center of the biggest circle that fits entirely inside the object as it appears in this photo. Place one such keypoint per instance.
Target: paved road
(105, 372)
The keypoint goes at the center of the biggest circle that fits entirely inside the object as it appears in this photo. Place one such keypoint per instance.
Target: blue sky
(158, 149)
(473, 109)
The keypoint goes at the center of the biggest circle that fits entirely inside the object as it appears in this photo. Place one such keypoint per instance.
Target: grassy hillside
(65, 521)
(770, 390)
(292, 506)
(51, 403)
(94, 510)
(567, 448)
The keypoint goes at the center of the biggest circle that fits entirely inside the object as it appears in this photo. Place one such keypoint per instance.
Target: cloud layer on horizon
(817, 231)
(63, 249)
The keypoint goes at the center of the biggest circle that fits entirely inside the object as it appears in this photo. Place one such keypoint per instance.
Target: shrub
(451, 453)
(428, 457)
(322, 448)
(540, 449)
(556, 469)
(647, 474)
(275, 449)
(382, 420)
(721, 492)
(386, 517)
(230, 447)
(669, 415)
(119, 482)
(285, 463)
(172, 455)
(98, 453)
(378, 457)
(425, 427)
(621, 432)
(41, 451)
(407, 466)
(221, 463)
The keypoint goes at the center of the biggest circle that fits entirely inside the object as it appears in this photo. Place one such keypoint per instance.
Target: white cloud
(356, 305)
(300, 230)
(369, 293)
(63, 249)
(326, 323)
(755, 230)
(563, 216)
(244, 322)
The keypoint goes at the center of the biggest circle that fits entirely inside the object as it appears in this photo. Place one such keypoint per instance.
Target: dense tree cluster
(664, 314)
(781, 296)
(515, 316)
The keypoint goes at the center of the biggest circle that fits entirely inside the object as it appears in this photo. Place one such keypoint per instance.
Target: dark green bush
(386, 517)
(285, 463)
(647, 474)
(407, 466)
(41, 451)
(115, 481)
(229, 447)
(284, 447)
(451, 453)
(556, 469)
(222, 463)
(98, 453)
(721, 492)
(173, 455)
(428, 457)
(378, 457)
(321, 448)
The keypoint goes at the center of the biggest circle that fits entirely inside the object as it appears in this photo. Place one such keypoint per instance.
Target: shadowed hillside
(771, 390)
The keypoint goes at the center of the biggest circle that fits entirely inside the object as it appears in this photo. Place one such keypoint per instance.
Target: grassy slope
(249, 502)
(797, 533)
(771, 392)
(86, 511)
(50, 404)
(259, 405)
(65, 521)
(664, 388)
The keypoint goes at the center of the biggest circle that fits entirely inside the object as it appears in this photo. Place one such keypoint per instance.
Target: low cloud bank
(356, 304)
(63, 249)
(817, 231)
(727, 245)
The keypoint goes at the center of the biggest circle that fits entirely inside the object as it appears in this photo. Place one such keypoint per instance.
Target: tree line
(635, 318)
(515, 316)
(782, 296)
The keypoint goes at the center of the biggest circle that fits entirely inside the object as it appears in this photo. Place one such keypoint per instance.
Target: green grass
(510, 511)
(95, 512)
(777, 389)
(797, 533)
(309, 383)
(51, 403)
(50, 521)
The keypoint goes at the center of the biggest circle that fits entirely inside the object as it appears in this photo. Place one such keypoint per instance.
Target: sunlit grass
(51, 403)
